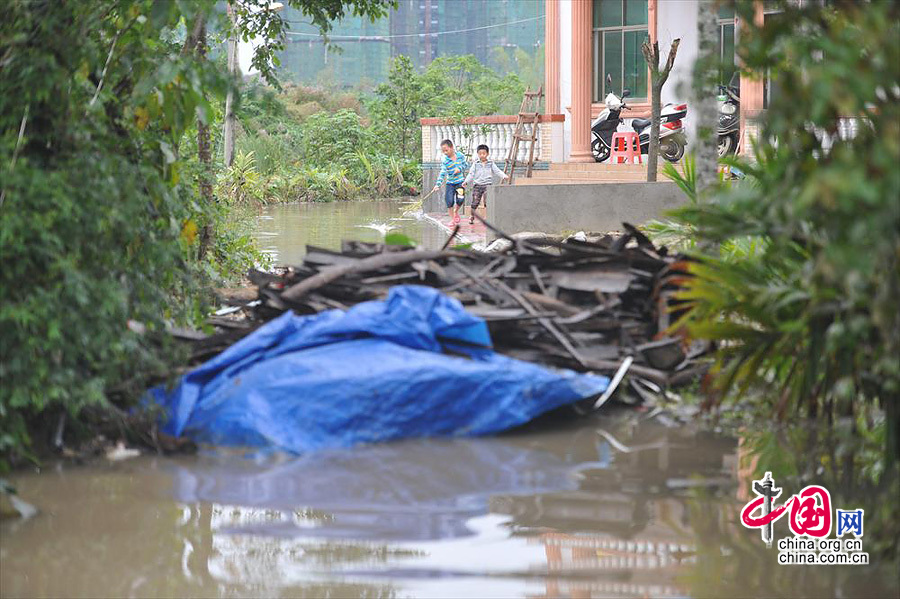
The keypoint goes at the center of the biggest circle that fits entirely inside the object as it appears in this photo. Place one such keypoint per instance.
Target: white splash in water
(383, 228)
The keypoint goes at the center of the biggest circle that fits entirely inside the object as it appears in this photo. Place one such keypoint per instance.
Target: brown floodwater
(619, 504)
(283, 231)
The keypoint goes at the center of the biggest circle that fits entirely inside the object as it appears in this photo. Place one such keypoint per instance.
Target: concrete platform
(554, 208)
(568, 197)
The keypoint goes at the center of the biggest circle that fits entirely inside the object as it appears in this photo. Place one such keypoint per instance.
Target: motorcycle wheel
(599, 150)
(671, 150)
(725, 145)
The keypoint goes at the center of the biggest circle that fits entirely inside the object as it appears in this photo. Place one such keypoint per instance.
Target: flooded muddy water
(283, 231)
(618, 505)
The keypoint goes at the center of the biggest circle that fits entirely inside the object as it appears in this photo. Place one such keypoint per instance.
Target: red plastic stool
(625, 148)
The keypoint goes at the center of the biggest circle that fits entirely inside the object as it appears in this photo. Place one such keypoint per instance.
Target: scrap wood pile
(586, 305)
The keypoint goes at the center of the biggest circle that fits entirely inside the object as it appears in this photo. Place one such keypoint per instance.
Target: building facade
(586, 39)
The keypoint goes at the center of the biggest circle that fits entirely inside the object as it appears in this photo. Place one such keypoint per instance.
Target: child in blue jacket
(453, 169)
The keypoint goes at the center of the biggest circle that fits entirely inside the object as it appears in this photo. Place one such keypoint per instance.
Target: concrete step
(604, 167)
(548, 181)
(598, 175)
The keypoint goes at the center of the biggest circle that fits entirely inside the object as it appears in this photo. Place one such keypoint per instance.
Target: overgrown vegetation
(97, 223)
(809, 319)
(110, 118)
(309, 144)
(302, 144)
(101, 212)
(451, 86)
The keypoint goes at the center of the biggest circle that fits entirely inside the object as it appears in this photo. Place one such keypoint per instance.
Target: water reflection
(612, 506)
(416, 490)
(623, 505)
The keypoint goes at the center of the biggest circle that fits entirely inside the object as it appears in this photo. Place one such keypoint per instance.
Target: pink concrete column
(581, 81)
(752, 90)
(551, 57)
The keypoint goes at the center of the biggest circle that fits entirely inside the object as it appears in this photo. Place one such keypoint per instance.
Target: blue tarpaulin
(379, 371)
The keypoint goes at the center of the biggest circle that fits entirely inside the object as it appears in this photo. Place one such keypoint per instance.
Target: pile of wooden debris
(586, 304)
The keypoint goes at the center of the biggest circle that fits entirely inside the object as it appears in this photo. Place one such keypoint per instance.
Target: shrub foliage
(811, 315)
(99, 208)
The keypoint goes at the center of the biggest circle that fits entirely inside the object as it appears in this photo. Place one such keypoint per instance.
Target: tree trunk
(704, 101)
(655, 110)
(203, 152)
(229, 99)
(657, 80)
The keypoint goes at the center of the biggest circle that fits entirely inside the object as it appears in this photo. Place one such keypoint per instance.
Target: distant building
(306, 59)
(420, 29)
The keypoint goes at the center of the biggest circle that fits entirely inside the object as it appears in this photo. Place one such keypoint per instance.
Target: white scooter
(672, 140)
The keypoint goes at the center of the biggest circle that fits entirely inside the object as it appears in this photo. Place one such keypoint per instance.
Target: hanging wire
(387, 37)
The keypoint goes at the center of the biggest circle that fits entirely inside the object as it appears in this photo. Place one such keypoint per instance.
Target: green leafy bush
(335, 138)
(98, 218)
(812, 317)
(100, 208)
(325, 157)
(269, 152)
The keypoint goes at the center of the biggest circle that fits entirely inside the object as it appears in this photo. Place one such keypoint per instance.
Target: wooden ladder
(528, 115)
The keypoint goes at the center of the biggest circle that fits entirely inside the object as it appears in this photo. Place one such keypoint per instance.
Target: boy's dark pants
(477, 194)
(450, 197)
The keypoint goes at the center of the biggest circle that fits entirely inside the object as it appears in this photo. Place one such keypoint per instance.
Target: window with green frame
(726, 44)
(620, 27)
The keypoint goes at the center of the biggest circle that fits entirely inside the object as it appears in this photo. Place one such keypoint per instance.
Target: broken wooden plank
(545, 322)
(550, 303)
(664, 354)
(317, 256)
(376, 262)
(606, 280)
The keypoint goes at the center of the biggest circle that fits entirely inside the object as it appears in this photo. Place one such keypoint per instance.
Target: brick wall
(544, 130)
(426, 143)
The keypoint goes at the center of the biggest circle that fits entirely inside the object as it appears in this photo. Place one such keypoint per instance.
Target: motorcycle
(672, 140)
(729, 117)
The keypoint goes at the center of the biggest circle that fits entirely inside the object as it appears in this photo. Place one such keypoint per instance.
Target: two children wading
(481, 174)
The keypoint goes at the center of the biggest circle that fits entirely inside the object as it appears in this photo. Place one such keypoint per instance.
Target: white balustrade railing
(847, 129)
(495, 132)
(466, 137)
